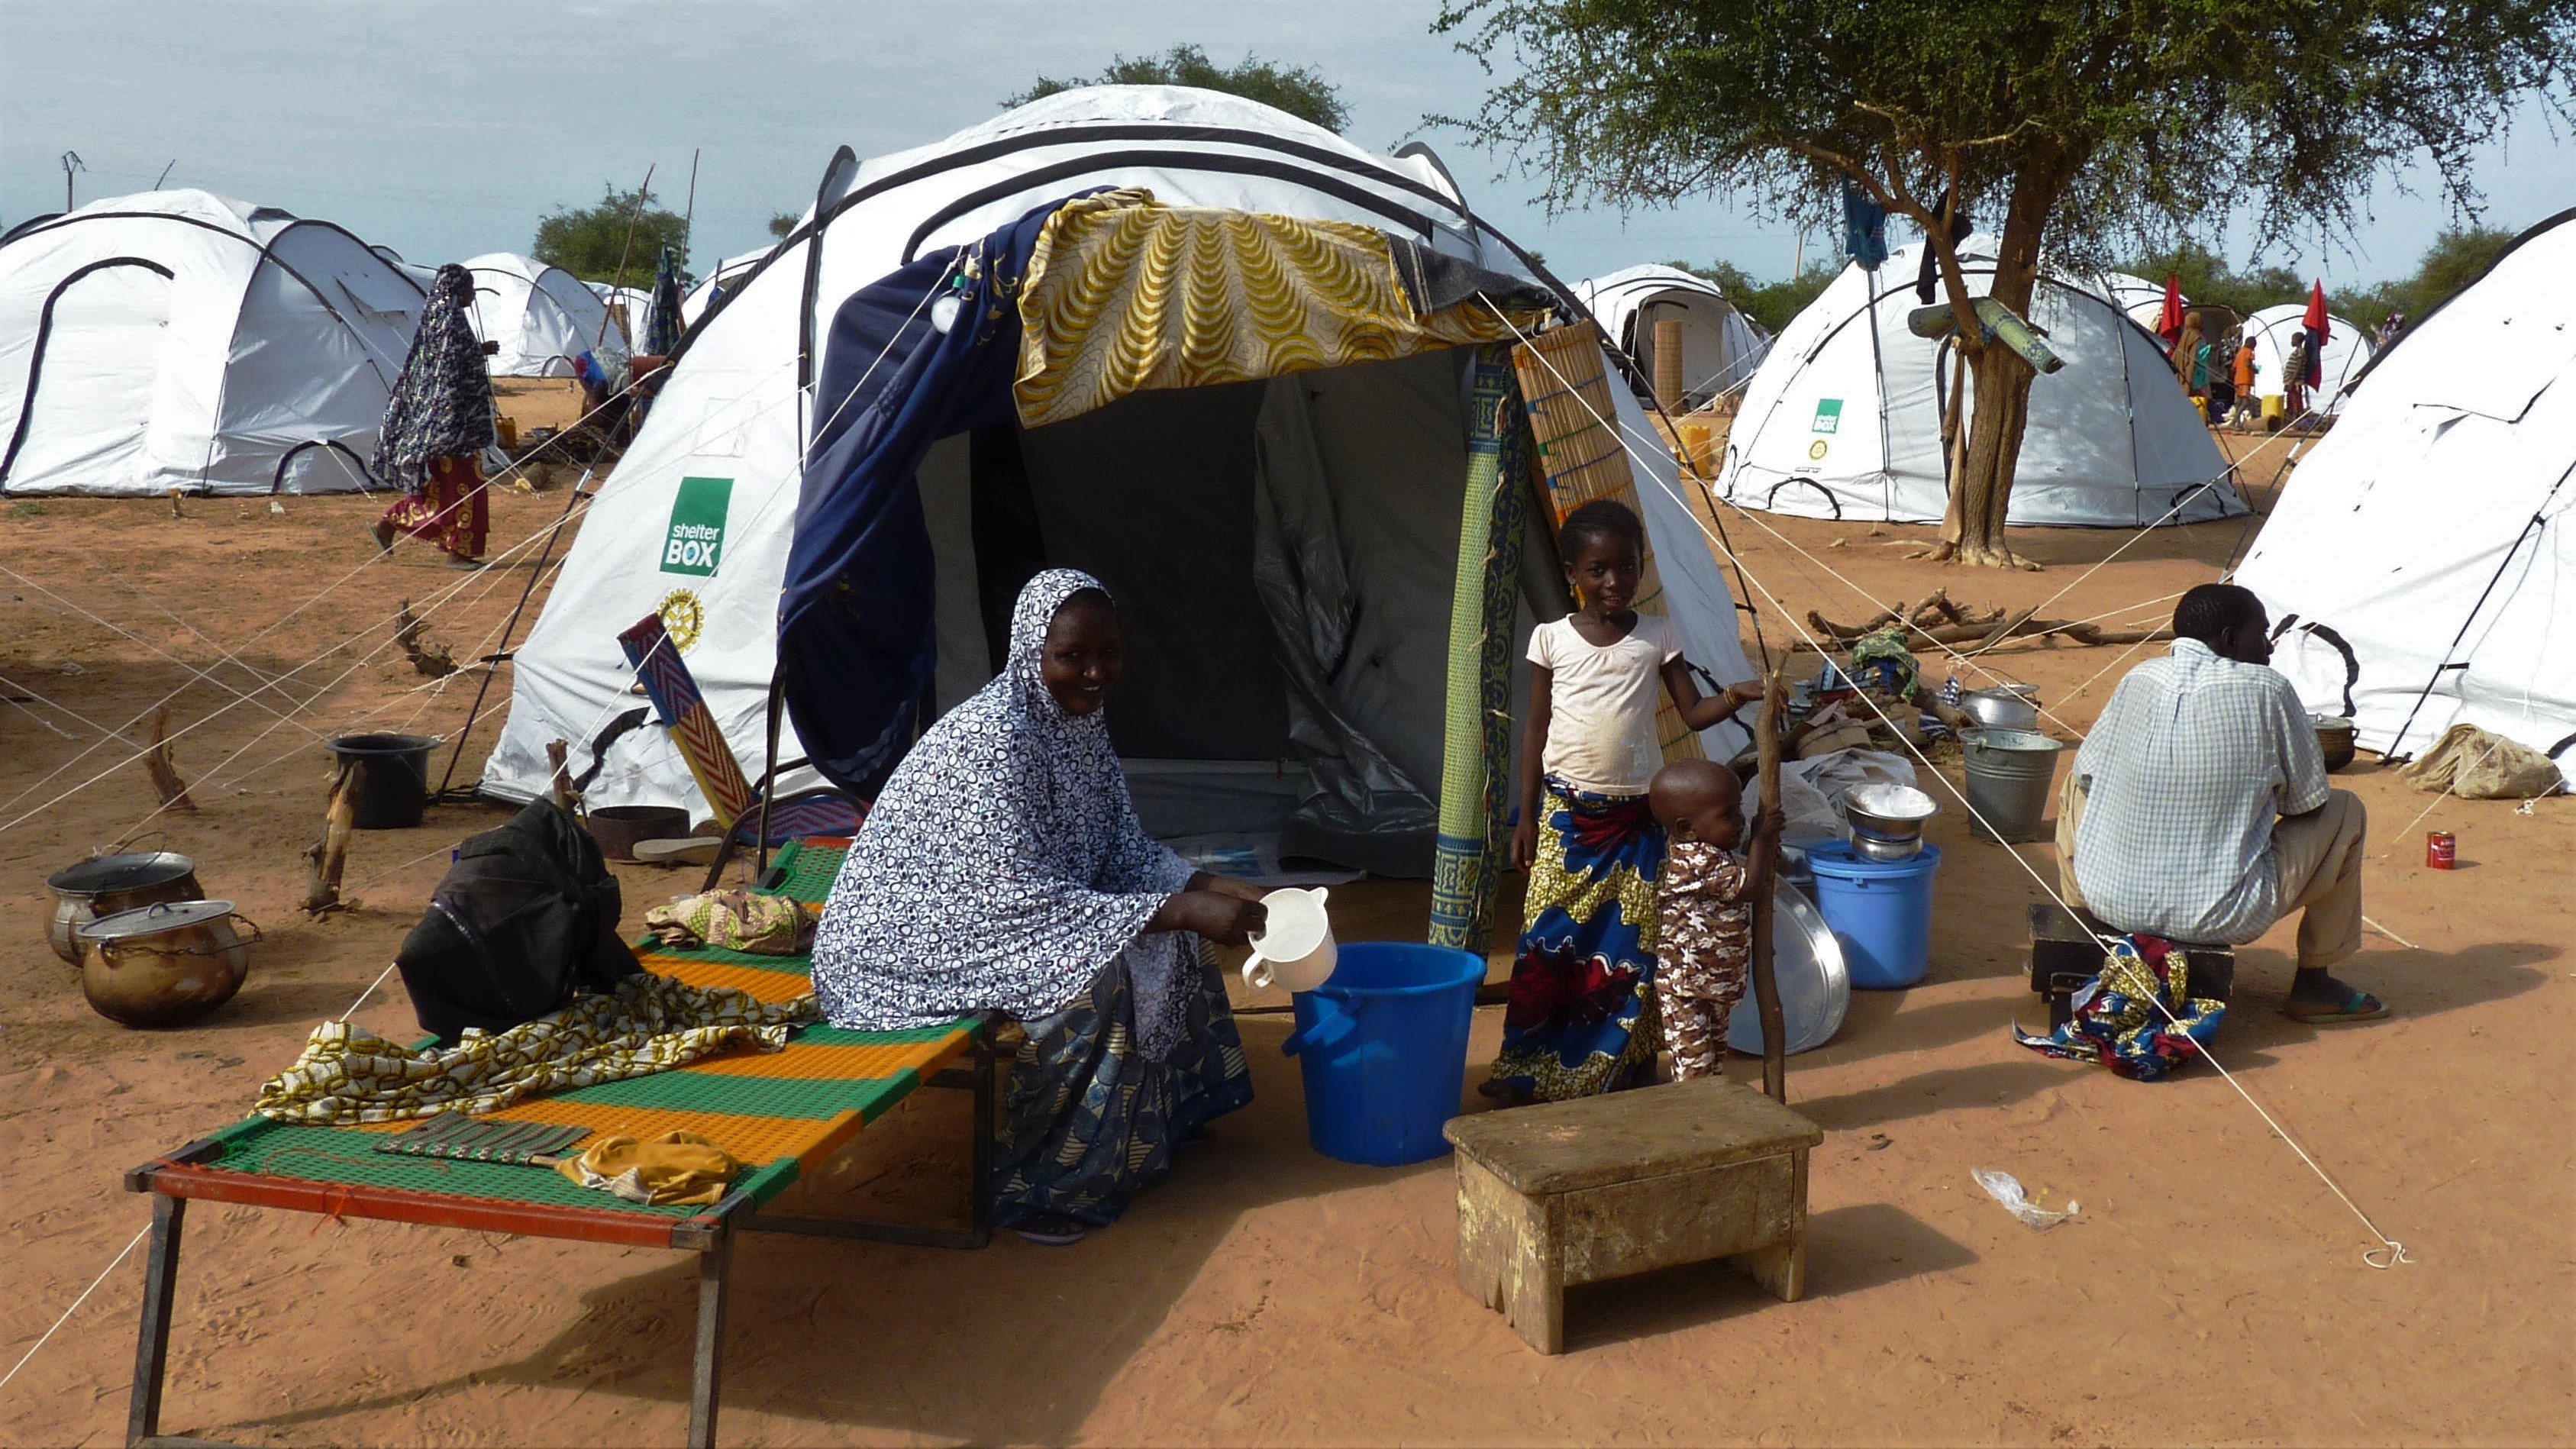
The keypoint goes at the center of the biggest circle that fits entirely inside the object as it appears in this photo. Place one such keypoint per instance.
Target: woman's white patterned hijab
(1003, 865)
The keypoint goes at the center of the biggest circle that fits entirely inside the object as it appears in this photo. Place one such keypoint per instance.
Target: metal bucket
(2008, 777)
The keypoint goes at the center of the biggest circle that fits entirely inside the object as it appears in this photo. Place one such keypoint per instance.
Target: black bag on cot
(525, 920)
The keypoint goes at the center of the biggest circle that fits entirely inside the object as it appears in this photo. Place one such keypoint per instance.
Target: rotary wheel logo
(1816, 450)
(683, 618)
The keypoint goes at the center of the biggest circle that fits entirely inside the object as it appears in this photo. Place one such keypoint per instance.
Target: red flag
(2169, 321)
(2319, 328)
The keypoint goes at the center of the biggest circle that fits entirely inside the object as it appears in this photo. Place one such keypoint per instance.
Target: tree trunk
(1981, 486)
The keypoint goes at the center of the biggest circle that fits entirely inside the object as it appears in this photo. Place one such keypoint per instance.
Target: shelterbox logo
(1829, 416)
(695, 544)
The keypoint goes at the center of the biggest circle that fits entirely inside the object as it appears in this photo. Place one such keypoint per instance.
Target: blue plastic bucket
(1384, 1049)
(1880, 910)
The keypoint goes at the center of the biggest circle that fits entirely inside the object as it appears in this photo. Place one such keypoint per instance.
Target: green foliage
(2209, 281)
(590, 241)
(1771, 304)
(2095, 126)
(781, 223)
(2456, 258)
(1299, 90)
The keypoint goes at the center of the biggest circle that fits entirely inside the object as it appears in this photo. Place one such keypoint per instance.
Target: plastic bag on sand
(2005, 1188)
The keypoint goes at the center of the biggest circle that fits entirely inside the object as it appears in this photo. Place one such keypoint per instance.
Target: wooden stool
(1582, 1191)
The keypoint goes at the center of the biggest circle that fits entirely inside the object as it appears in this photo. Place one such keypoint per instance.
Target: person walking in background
(2248, 406)
(437, 424)
(2391, 326)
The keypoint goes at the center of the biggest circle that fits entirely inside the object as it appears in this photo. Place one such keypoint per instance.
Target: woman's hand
(1525, 844)
(1214, 915)
(1226, 885)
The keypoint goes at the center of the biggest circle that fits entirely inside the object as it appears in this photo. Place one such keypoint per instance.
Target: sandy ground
(2212, 1288)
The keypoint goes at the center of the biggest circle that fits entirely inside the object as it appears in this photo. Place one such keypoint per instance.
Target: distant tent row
(1281, 524)
(542, 316)
(183, 340)
(2420, 567)
(1843, 417)
(2347, 354)
(1720, 345)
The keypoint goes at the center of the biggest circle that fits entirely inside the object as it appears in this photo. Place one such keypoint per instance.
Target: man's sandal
(2361, 1006)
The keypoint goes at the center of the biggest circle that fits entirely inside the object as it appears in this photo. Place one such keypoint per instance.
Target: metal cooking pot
(164, 965)
(2000, 709)
(114, 883)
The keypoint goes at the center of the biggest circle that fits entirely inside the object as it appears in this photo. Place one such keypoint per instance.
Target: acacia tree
(2067, 126)
(1300, 90)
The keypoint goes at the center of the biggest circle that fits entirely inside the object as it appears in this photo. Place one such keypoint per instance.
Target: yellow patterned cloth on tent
(1127, 295)
(648, 1024)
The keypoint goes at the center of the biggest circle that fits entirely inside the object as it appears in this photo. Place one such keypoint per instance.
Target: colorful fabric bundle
(1882, 659)
(2138, 1017)
(647, 1024)
(735, 920)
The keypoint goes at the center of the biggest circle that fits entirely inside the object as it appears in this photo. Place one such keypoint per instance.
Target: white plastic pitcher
(1294, 950)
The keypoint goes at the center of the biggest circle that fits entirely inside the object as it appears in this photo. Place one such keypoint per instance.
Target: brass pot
(166, 964)
(114, 883)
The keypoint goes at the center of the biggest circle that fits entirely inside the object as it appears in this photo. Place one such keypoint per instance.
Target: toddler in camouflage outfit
(1704, 908)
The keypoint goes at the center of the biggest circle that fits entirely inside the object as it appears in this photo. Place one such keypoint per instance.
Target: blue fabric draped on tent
(855, 629)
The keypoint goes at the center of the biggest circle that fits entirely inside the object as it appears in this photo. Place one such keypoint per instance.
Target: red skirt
(451, 510)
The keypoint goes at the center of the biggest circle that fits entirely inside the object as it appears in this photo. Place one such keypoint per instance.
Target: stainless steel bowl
(2000, 709)
(1887, 820)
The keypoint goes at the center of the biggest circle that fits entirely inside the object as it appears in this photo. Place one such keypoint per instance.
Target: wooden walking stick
(1766, 983)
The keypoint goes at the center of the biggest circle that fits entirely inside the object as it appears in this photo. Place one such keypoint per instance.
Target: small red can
(2441, 850)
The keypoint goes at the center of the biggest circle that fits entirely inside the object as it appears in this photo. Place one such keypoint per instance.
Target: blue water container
(1880, 910)
(1383, 1045)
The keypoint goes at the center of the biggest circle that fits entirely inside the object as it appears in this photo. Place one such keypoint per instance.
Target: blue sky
(446, 130)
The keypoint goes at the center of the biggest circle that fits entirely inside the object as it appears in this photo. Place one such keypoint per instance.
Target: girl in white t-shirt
(1591, 847)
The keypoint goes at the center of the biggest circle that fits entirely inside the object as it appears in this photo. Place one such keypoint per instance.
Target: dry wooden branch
(330, 855)
(1995, 631)
(433, 660)
(1766, 986)
(165, 775)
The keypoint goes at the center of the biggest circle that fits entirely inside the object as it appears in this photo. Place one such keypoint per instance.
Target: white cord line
(75, 1308)
(21, 705)
(2394, 1250)
(389, 970)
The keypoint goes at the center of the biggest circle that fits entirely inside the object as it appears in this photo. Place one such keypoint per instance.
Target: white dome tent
(728, 275)
(2142, 300)
(2347, 353)
(2420, 567)
(1175, 498)
(1720, 345)
(1843, 419)
(638, 302)
(542, 316)
(183, 340)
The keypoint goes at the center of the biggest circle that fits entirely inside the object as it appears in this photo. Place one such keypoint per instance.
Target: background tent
(179, 339)
(728, 275)
(638, 302)
(2420, 568)
(2348, 352)
(1720, 346)
(542, 316)
(2143, 301)
(1362, 467)
(1843, 418)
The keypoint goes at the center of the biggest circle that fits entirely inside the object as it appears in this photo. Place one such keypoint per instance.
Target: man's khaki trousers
(2317, 857)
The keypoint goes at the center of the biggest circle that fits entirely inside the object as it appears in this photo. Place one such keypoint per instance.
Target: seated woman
(1002, 868)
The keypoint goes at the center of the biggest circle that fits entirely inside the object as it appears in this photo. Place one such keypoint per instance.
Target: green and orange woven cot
(779, 1113)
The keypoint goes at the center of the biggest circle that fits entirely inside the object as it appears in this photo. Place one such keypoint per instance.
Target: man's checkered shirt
(2187, 769)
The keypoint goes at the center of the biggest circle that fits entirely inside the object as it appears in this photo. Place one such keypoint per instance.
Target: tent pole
(501, 651)
(1717, 518)
(2539, 519)
(1476, 734)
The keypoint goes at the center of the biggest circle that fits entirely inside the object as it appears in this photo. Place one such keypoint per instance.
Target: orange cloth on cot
(676, 1168)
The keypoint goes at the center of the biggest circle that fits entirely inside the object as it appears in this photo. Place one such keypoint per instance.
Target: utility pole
(71, 162)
